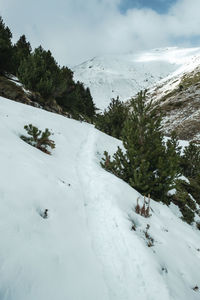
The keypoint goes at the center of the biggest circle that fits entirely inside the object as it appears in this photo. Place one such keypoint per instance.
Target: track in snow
(122, 267)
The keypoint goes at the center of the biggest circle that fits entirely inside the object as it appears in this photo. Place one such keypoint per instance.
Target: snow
(172, 192)
(183, 144)
(85, 249)
(175, 209)
(184, 179)
(125, 75)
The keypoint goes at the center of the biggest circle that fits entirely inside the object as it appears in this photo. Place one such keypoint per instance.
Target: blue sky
(160, 6)
(77, 30)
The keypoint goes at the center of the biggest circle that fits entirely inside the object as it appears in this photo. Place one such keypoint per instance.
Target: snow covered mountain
(85, 249)
(124, 75)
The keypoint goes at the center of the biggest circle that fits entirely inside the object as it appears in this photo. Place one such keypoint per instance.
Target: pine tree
(113, 118)
(39, 72)
(6, 50)
(77, 100)
(89, 106)
(21, 50)
(146, 163)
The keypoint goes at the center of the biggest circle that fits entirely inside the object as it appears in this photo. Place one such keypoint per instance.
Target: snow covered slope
(125, 75)
(85, 249)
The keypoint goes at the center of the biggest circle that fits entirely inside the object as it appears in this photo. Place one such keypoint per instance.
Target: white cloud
(76, 30)
(184, 18)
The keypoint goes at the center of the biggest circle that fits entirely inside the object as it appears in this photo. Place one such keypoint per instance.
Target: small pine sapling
(38, 139)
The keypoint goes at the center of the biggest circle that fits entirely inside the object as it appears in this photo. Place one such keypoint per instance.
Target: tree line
(39, 72)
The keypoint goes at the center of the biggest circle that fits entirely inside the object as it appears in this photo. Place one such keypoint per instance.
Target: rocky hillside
(179, 98)
(12, 89)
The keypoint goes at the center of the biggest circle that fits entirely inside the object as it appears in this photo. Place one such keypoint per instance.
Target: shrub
(38, 139)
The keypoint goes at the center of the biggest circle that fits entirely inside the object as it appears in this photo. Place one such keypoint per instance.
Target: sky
(77, 30)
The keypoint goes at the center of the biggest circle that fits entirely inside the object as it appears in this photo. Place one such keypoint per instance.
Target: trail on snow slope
(126, 270)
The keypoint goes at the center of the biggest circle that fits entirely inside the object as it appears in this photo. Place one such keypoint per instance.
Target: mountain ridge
(110, 76)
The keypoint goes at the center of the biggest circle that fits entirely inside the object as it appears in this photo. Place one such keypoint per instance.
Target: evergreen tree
(88, 104)
(21, 50)
(148, 164)
(39, 72)
(83, 99)
(5, 48)
(190, 161)
(77, 100)
(113, 118)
